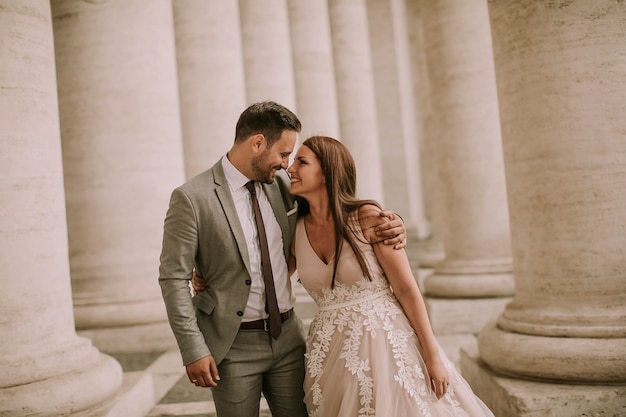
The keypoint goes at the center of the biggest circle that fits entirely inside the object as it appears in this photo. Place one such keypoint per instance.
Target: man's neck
(240, 162)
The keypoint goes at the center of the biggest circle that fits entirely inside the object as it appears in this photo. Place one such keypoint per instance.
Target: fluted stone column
(431, 249)
(561, 85)
(393, 82)
(44, 365)
(470, 170)
(314, 72)
(210, 78)
(122, 153)
(356, 99)
(268, 65)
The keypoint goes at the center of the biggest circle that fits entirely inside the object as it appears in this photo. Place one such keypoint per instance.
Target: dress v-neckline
(319, 258)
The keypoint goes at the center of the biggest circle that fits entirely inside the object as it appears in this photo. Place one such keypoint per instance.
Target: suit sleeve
(180, 246)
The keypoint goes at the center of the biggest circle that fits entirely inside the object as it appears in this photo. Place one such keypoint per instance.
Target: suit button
(248, 282)
(240, 313)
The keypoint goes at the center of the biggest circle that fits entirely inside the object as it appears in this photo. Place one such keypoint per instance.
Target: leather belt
(264, 324)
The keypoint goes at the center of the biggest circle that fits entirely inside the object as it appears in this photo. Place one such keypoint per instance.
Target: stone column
(470, 169)
(430, 251)
(122, 153)
(393, 82)
(44, 366)
(561, 84)
(313, 66)
(210, 78)
(355, 93)
(268, 66)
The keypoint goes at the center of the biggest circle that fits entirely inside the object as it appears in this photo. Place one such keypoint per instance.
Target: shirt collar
(235, 178)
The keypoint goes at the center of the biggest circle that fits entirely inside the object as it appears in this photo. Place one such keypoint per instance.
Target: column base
(452, 345)
(456, 322)
(511, 397)
(92, 385)
(470, 285)
(470, 315)
(567, 359)
(130, 339)
(107, 313)
(430, 252)
(135, 398)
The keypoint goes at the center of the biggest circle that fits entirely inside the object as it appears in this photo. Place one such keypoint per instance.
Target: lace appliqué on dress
(366, 307)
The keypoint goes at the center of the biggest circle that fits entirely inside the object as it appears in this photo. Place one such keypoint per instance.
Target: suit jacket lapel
(222, 191)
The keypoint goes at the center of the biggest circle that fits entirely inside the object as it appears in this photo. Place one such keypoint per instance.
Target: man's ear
(258, 142)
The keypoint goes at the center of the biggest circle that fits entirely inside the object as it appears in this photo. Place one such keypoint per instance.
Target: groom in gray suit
(222, 331)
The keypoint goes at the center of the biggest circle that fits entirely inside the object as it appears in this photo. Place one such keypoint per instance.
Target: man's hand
(203, 372)
(392, 230)
(197, 283)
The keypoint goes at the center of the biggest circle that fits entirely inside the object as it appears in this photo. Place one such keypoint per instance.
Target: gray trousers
(257, 364)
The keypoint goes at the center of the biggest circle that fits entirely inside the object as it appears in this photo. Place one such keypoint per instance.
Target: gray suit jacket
(202, 230)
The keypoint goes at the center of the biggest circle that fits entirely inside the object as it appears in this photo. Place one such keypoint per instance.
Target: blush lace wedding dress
(363, 357)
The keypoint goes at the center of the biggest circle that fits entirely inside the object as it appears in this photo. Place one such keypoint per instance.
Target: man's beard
(261, 173)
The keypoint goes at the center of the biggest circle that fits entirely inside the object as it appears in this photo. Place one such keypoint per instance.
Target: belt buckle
(266, 325)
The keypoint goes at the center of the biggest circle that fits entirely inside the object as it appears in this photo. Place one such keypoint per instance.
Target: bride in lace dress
(370, 350)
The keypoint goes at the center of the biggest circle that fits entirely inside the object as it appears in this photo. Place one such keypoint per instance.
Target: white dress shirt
(255, 309)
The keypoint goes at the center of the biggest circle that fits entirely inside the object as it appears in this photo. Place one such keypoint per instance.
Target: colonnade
(495, 128)
(560, 78)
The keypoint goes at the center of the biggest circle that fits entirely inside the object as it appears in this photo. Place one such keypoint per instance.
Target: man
(211, 227)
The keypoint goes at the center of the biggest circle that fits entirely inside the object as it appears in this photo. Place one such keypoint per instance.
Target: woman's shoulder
(368, 216)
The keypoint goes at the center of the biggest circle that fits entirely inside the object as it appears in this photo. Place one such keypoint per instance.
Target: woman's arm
(397, 268)
(291, 263)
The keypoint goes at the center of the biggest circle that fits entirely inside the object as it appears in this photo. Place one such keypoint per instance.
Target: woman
(370, 350)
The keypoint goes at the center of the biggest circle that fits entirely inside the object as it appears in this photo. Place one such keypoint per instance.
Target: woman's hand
(439, 378)
(197, 283)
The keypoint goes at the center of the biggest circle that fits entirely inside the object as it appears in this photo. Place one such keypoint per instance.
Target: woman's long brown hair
(339, 171)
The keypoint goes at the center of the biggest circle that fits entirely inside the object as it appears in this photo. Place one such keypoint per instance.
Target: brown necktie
(266, 266)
